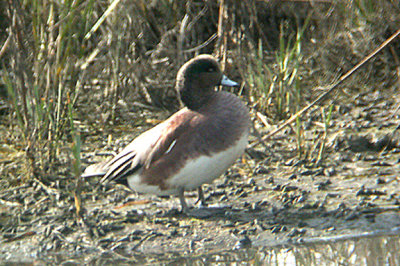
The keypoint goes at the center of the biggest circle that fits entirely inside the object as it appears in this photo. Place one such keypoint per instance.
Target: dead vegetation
(76, 72)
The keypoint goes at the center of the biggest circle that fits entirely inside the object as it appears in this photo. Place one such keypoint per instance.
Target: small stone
(323, 185)
(235, 176)
(245, 242)
(246, 204)
(307, 172)
(269, 180)
(239, 191)
(276, 229)
(243, 232)
(257, 188)
(352, 216)
(234, 231)
(224, 198)
(277, 188)
(370, 217)
(261, 169)
(244, 194)
(302, 224)
(251, 182)
(330, 171)
(301, 199)
(380, 181)
(297, 232)
(359, 144)
(288, 188)
(173, 232)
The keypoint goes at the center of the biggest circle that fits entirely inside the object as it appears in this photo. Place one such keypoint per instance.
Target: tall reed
(43, 75)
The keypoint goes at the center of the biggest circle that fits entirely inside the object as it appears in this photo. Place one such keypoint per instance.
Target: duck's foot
(201, 198)
(203, 211)
(184, 207)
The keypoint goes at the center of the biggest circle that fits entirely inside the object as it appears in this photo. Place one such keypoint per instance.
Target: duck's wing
(121, 165)
(145, 149)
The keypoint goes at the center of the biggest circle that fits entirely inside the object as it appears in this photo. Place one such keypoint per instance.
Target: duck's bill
(227, 82)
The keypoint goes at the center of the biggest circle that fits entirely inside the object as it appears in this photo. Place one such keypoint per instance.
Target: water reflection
(381, 250)
(377, 250)
(364, 251)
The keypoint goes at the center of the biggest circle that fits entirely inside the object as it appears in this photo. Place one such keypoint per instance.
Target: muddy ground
(268, 197)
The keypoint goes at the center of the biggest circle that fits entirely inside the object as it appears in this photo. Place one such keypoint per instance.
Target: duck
(194, 146)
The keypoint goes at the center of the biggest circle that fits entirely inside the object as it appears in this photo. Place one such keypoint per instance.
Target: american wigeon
(192, 147)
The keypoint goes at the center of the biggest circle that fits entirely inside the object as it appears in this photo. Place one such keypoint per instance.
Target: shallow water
(378, 250)
(381, 250)
(371, 249)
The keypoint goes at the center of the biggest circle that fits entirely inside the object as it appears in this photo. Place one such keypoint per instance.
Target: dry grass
(60, 66)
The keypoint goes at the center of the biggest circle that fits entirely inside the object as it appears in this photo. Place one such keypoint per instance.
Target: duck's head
(197, 78)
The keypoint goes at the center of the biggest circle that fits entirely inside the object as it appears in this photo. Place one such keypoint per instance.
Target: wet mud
(272, 196)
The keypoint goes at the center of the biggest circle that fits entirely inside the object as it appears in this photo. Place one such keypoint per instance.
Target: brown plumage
(192, 147)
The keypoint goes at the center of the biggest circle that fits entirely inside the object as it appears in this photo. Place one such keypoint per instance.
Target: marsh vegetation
(80, 79)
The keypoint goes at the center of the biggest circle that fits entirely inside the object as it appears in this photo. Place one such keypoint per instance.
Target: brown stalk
(332, 88)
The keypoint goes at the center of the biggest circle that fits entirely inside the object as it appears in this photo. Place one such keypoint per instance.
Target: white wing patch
(170, 146)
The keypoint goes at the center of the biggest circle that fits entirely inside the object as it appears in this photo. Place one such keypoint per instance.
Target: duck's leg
(201, 197)
(182, 200)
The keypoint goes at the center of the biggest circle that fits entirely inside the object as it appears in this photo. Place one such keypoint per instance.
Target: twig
(5, 45)
(10, 203)
(147, 237)
(395, 112)
(20, 236)
(50, 191)
(332, 87)
(101, 19)
(202, 45)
